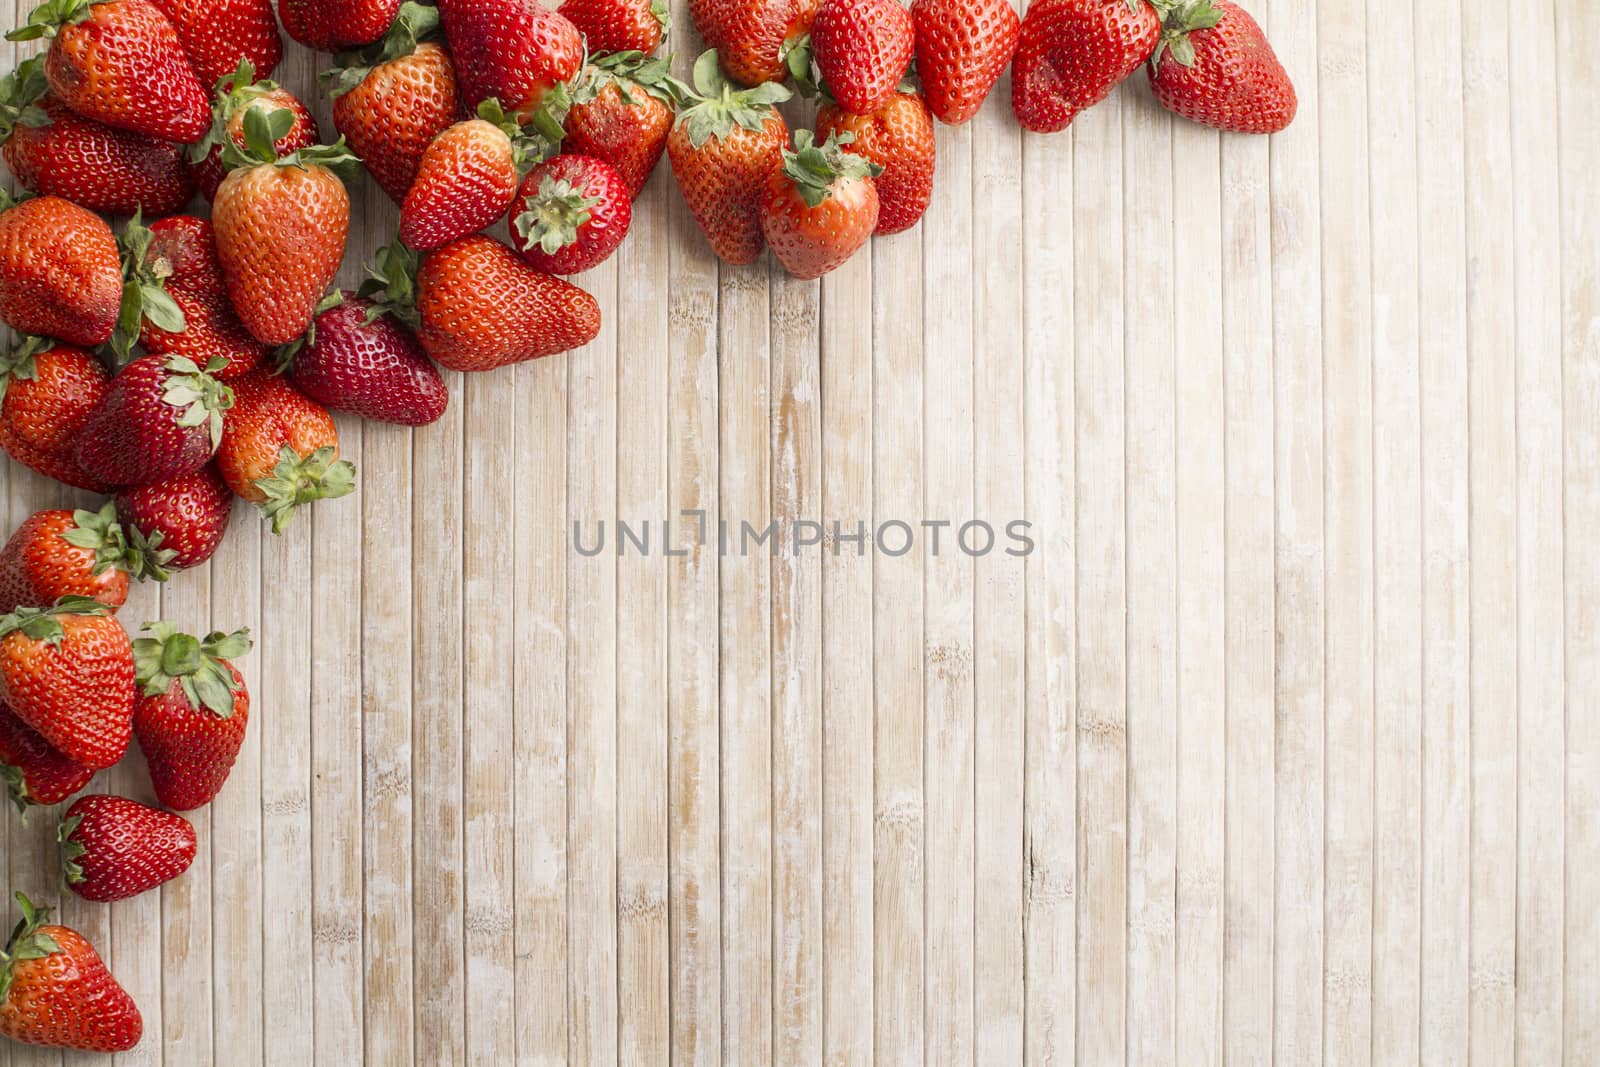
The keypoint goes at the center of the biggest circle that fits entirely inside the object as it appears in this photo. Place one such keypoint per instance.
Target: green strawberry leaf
(298, 480)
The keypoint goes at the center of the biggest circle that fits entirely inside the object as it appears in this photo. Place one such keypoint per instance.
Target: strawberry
(181, 259)
(393, 100)
(161, 419)
(56, 991)
(113, 848)
(331, 25)
(862, 48)
(33, 773)
(754, 38)
(192, 711)
(49, 391)
(186, 516)
(572, 214)
(515, 51)
(622, 108)
(963, 47)
(359, 359)
(279, 448)
(1072, 53)
(67, 671)
(120, 62)
(619, 25)
(55, 152)
(819, 207)
(59, 271)
(722, 149)
(1214, 66)
(218, 35)
(477, 307)
(61, 553)
(899, 138)
(240, 92)
(466, 180)
(281, 225)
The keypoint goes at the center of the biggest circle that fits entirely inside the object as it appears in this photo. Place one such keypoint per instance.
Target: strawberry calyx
(171, 656)
(298, 480)
(552, 217)
(20, 93)
(27, 942)
(233, 93)
(72, 850)
(413, 24)
(629, 72)
(717, 105)
(391, 284)
(144, 291)
(800, 59)
(16, 783)
(1178, 21)
(20, 364)
(264, 129)
(528, 147)
(201, 396)
(118, 547)
(44, 624)
(49, 17)
(815, 169)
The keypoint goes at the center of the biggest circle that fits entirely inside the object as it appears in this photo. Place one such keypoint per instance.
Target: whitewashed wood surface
(1282, 748)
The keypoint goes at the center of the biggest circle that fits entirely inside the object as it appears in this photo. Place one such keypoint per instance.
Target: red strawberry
(33, 773)
(515, 51)
(1214, 66)
(60, 274)
(862, 48)
(113, 848)
(332, 25)
(362, 360)
(186, 516)
(281, 225)
(61, 553)
(963, 47)
(192, 711)
(56, 991)
(245, 93)
(619, 25)
(467, 179)
(218, 35)
(1072, 53)
(181, 259)
(819, 207)
(67, 671)
(622, 108)
(279, 450)
(899, 138)
(162, 419)
(754, 38)
(572, 214)
(723, 147)
(120, 62)
(49, 392)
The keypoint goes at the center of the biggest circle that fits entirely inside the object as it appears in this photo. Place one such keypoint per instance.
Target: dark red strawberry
(113, 848)
(515, 51)
(192, 711)
(360, 359)
(245, 93)
(622, 108)
(162, 419)
(1214, 66)
(56, 992)
(899, 138)
(963, 47)
(571, 214)
(1072, 53)
(181, 259)
(62, 553)
(186, 516)
(67, 671)
(619, 25)
(33, 773)
(60, 272)
(49, 391)
(332, 25)
(218, 35)
(862, 48)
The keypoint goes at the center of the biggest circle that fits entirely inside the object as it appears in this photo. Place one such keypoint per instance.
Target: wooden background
(1282, 748)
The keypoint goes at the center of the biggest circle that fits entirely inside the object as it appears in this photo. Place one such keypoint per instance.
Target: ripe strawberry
(244, 93)
(55, 152)
(619, 25)
(33, 773)
(192, 711)
(113, 848)
(181, 259)
(55, 990)
(67, 671)
(622, 108)
(59, 271)
(360, 359)
(120, 62)
(49, 391)
(186, 516)
(279, 448)
(819, 207)
(161, 419)
(1072, 53)
(754, 38)
(723, 147)
(218, 35)
(963, 47)
(515, 51)
(281, 225)
(572, 214)
(61, 553)
(862, 48)
(1214, 66)
(332, 25)
(899, 138)
(467, 179)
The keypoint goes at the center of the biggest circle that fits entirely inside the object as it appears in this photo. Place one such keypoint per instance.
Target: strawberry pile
(187, 361)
